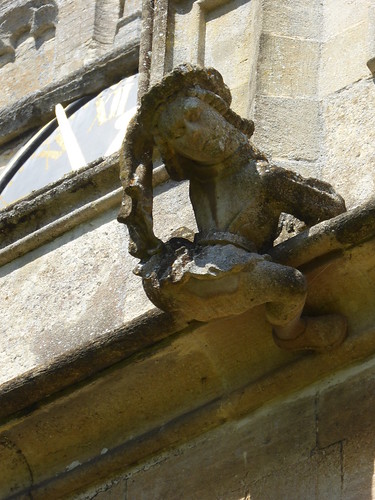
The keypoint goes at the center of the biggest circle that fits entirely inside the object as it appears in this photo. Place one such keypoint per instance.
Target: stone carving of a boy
(237, 197)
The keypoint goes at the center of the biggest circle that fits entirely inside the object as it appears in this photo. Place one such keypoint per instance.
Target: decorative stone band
(224, 238)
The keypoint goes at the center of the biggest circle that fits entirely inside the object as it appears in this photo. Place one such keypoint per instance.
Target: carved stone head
(188, 117)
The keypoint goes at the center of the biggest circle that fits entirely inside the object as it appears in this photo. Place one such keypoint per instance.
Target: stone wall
(210, 411)
(316, 444)
(347, 92)
(45, 42)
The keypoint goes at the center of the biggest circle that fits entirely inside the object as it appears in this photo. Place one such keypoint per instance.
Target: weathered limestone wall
(78, 287)
(44, 42)
(347, 92)
(300, 72)
(317, 444)
(219, 33)
(286, 110)
(315, 91)
(56, 52)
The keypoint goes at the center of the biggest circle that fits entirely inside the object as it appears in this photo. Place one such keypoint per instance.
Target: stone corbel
(237, 197)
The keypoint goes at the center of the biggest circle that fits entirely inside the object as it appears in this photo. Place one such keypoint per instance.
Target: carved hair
(136, 154)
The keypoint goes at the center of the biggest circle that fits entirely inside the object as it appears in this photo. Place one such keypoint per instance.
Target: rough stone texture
(282, 118)
(216, 29)
(318, 444)
(339, 15)
(349, 140)
(38, 65)
(344, 57)
(353, 428)
(288, 66)
(68, 64)
(195, 381)
(247, 454)
(75, 289)
(286, 109)
(17, 474)
(237, 198)
(231, 29)
(171, 394)
(291, 18)
(312, 446)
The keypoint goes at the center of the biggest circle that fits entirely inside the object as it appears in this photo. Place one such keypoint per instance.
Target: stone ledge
(335, 235)
(55, 200)
(27, 391)
(323, 248)
(133, 412)
(59, 207)
(156, 383)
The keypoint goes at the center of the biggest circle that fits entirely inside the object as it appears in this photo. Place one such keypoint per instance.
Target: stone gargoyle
(237, 198)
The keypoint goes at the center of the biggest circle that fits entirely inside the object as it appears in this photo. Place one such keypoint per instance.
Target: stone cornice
(335, 235)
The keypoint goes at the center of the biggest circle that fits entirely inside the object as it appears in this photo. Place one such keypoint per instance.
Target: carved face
(195, 130)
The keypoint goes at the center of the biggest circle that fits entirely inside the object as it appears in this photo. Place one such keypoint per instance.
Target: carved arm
(310, 200)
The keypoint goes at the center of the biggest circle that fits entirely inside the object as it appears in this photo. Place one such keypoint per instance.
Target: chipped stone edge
(340, 233)
(73, 367)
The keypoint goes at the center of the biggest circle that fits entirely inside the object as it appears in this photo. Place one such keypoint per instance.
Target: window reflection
(72, 140)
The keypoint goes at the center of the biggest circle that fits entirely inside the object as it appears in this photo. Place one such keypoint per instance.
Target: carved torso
(237, 204)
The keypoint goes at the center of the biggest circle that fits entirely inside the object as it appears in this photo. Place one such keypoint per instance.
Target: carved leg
(320, 334)
(284, 291)
(287, 286)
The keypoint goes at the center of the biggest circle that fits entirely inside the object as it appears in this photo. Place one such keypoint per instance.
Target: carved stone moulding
(36, 18)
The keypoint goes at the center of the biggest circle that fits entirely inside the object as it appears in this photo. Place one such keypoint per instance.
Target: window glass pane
(97, 129)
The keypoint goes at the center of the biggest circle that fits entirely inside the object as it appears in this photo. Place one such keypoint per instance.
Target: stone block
(292, 18)
(340, 15)
(344, 58)
(287, 128)
(349, 142)
(358, 464)
(258, 353)
(345, 412)
(288, 66)
(230, 38)
(317, 477)
(222, 34)
(235, 457)
(137, 398)
(346, 409)
(304, 168)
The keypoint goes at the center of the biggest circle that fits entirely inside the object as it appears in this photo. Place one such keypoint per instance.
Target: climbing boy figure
(237, 197)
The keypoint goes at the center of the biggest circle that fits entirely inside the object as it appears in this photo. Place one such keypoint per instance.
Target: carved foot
(322, 333)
